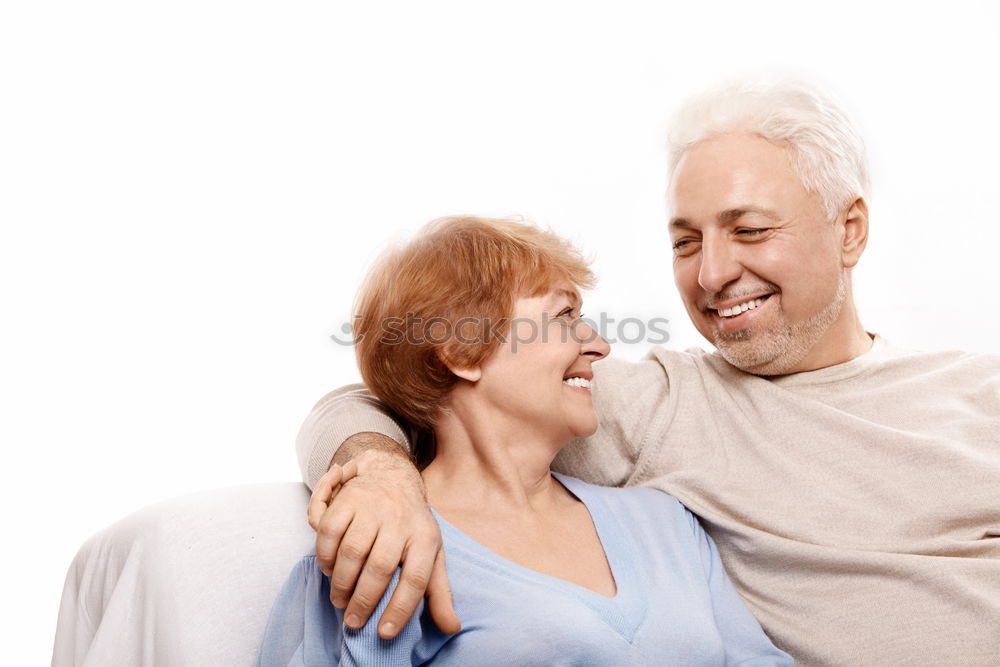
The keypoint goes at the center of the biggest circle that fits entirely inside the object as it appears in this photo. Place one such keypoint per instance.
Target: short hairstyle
(826, 150)
(416, 293)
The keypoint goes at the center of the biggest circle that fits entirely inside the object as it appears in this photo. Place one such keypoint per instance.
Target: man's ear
(855, 236)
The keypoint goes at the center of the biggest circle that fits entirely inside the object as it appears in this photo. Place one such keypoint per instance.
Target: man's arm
(380, 519)
(628, 398)
(343, 413)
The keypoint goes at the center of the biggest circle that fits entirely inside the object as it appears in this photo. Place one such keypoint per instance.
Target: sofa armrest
(188, 581)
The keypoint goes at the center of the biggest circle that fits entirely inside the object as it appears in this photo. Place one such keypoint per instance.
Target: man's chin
(757, 354)
(776, 346)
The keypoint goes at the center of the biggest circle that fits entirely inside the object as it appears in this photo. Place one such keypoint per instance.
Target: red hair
(416, 294)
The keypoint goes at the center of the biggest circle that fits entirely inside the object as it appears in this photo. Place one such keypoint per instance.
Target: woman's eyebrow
(557, 295)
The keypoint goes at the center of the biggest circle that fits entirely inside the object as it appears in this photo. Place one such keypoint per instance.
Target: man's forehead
(726, 216)
(728, 177)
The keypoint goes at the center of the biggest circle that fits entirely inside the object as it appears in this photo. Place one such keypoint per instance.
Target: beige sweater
(856, 508)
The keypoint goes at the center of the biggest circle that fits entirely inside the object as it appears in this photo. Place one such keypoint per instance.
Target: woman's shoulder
(298, 617)
(629, 499)
(305, 628)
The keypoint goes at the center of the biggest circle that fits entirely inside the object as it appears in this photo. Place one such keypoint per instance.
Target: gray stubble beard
(775, 352)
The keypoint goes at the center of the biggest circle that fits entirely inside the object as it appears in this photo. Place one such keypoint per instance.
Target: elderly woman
(545, 569)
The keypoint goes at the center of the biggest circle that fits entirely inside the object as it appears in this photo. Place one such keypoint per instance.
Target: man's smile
(733, 314)
(739, 308)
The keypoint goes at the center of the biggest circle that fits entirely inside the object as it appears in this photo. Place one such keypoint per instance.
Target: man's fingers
(332, 528)
(354, 549)
(349, 470)
(440, 601)
(315, 512)
(375, 501)
(375, 577)
(321, 494)
(413, 581)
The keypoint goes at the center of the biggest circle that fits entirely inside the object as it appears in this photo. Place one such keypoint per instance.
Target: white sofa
(188, 581)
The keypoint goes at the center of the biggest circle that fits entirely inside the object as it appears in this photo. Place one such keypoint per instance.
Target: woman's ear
(468, 373)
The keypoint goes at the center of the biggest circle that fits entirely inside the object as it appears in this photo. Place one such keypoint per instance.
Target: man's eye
(752, 231)
(682, 246)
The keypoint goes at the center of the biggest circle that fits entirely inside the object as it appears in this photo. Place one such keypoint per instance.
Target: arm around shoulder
(630, 399)
(338, 416)
(375, 520)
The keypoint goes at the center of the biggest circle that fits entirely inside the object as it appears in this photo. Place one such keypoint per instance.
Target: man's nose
(719, 265)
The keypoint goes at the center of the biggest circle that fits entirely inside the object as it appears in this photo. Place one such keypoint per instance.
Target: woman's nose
(592, 343)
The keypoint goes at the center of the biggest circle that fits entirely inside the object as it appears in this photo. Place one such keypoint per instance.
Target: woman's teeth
(577, 382)
(740, 308)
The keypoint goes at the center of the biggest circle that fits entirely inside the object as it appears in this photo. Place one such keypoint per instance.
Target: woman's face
(541, 375)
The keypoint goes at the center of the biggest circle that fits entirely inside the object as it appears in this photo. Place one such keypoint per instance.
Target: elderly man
(852, 487)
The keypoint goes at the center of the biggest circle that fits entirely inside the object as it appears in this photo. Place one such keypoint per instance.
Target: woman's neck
(487, 462)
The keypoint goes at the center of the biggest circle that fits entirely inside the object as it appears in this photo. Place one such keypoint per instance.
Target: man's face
(758, 265)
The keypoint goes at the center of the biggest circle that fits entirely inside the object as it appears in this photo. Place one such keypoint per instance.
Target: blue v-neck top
(674, 603)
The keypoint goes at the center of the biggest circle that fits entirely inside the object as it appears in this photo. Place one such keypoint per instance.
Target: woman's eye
(566, 312)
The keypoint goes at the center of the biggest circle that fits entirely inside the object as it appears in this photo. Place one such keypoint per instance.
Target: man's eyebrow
(729, 215)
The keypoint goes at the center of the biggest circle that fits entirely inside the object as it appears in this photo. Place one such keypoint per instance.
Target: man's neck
(844, 341)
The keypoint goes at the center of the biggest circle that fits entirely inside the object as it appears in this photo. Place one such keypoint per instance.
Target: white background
(191, 191)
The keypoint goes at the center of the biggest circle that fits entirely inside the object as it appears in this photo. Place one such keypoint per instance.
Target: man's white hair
(826, 150)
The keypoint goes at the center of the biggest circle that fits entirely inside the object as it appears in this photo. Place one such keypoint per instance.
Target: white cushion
(188, 581)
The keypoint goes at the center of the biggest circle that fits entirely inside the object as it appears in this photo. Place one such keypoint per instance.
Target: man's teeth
(740, 308)
(577, 382)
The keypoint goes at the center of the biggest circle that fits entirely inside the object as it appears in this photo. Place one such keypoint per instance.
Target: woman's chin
(585, 429)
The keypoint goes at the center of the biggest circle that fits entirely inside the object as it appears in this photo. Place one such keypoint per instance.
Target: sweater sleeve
(744, 640)
(631, 400)
(303, 628)
(336, 417)
(416, 644)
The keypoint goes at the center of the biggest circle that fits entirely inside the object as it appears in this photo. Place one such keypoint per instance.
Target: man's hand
(379, 520)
